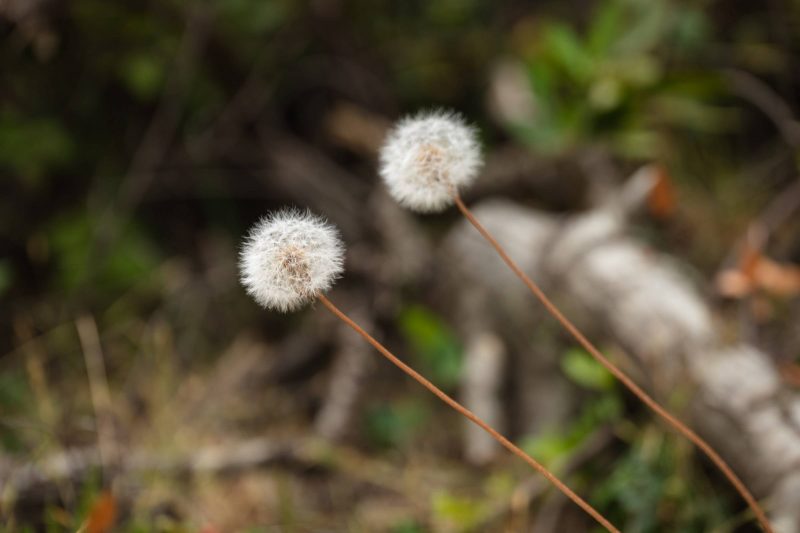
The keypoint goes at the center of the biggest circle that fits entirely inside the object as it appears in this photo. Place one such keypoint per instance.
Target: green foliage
(554, 447)
(638, 486)
(459, 512)
(32, 147)
(434, 52)
(582, 368)
(16, 400)
(81, 255)
(143, 74)
(612, 84)
(394, 425)
(653, 487)
(253, 17)
(433, 344)
(408, 526)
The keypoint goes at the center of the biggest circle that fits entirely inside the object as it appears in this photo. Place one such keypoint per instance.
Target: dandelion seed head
(427, 157)
(290, 257)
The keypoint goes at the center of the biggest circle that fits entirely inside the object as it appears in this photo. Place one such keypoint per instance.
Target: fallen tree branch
(33, 480)
(607, 282)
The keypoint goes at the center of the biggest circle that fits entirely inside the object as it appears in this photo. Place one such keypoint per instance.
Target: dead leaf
(103, 514)
(749, 258)
(779, 279)
(757, 272)
(732, 283)
(661, 200)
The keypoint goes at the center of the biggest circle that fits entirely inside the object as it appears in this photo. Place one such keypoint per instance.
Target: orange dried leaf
(661, 200)
(780, 279)
(749, 259)
(103, 514)
(732, 283)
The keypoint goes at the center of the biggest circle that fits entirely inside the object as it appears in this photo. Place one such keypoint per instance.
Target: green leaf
(31, 146)
(605, 93)
(143, 74)
(408, 526)
(606, 28)
(581, 368)
(392, 425)
(111, 268)
(564, 46)
(433, 343)
(637, 143)
(645, 30)
(693, 114)
(692, 28)
(641, 70)
(551, 448)
(463, 513)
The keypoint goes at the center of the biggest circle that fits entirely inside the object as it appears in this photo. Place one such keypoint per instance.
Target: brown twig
(468, 414)
(619, 374)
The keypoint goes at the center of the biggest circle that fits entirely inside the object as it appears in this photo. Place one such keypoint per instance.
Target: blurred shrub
(624, 82)
(555, 446)
(434, 345)
(394, 425)
(652, 487)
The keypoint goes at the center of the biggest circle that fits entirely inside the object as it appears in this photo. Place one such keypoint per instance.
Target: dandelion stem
(469, 414)
(620, 375)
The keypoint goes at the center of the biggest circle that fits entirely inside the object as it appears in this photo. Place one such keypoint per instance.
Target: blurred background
(142, 390)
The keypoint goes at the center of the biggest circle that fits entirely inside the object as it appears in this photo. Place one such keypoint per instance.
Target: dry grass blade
(98, 387)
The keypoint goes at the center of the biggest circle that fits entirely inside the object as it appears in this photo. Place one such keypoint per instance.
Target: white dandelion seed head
(429, 156)
(290, 257)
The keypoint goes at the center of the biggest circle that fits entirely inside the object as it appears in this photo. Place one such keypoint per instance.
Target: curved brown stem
(470, 415)
(619, 374)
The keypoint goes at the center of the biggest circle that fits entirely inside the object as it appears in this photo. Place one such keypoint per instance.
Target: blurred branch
(301, 171)
(768, 101)
(33, 480)
(784, 205)
(159, 135)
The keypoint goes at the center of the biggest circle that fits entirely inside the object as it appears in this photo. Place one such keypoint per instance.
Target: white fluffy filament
(290, 257)
(427, 157)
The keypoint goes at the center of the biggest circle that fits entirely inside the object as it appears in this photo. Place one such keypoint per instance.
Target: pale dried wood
(649, 305)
